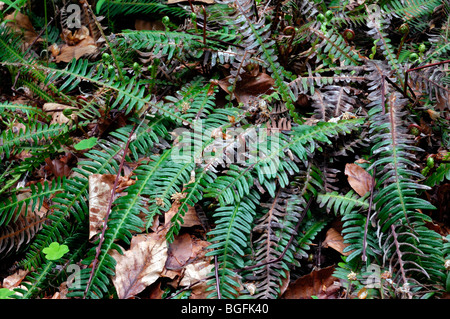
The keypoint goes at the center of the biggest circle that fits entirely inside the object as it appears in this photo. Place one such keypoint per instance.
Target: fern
(113, 8)
(11, 207)
(32, 135)
(233, 224)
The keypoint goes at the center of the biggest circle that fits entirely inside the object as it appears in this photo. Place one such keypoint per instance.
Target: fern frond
(333, 43)
(127, 7)
(342, 204)
(377, 32)
(229, 239)
(33, 135)
(10, 208)
(397, 199)
(10, 110)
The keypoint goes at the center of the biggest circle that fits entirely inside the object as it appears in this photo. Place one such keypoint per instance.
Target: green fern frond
(10, 208)
(342, 204)
(8, 110)
(229, 239)
(127, 7)
(397, 199)
(33, 135)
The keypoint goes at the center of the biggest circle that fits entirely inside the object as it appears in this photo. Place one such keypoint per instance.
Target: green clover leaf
(5, 293)
(55, 251)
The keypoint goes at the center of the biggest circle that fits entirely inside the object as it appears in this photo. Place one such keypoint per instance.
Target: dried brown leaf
(358, 178)
(100, 190)
(84, 47)
(335, 240)
(320, 283)
(190, 218)
(179, 252)
(250, 86)
(15, 279)
(21, 24)
(141, 265)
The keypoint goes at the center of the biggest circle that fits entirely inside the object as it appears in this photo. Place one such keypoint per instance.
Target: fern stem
(420, 68)
(216, 273)
(399, 254)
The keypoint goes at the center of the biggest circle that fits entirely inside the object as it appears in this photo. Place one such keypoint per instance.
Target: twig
(105, 222)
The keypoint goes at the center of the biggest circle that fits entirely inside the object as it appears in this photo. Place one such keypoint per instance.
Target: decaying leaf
(56, 111)
(358, 178)
(69, 52)
(250, 86)
(21, 24)
(141, 265)
(190, 218)
(15, 279)
(78, 44)
(100, 190)
(179, 252)
(57, 167)
(319, 283)
(335, 240)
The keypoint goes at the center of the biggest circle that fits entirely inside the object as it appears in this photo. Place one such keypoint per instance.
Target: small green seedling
(55, 251)
(5, 293)
(86, 144)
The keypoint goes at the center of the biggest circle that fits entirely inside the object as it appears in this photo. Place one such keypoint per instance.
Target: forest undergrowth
(199, 149)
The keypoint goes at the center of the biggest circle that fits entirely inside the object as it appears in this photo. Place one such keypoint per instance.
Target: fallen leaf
(320, 283)
(69, 52)
(190, 218)
(155, 291)
(56, 111)
(141, 265)
(21, 24)
(15, 279)
(358, 178)
(179, 252)
(335, 240)
(100, 190)
(196, 271)
(73, 38)
(249, 87)
(57, 167)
